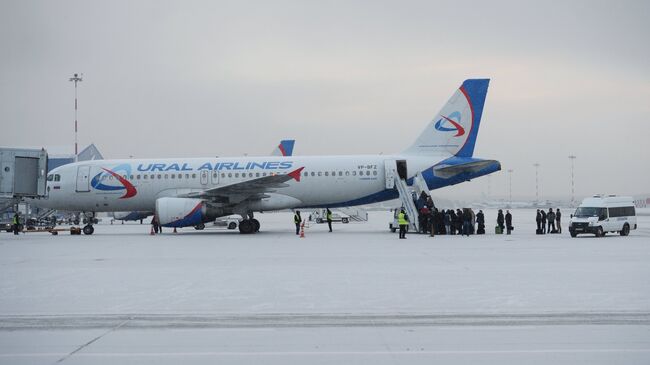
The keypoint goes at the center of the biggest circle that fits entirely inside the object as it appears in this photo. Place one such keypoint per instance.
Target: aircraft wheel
(232, 225)
(88, 229)
(246, 227)
(199, 227)
(256, 224)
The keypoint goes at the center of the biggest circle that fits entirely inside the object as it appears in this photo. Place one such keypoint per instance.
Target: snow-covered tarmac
(358, 295)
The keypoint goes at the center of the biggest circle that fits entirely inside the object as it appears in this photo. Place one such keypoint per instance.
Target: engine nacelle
(181, 212)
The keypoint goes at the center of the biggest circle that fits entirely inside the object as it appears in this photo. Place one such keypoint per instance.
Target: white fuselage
(325, 180)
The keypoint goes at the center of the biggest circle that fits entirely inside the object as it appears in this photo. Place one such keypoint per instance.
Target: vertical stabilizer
(454, 129)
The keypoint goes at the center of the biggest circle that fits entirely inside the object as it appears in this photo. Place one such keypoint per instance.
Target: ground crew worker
(328, 215)
(403, 221)
(297, 220)
(543, 213)
(538, 219)
(16, 223)
(558, 218)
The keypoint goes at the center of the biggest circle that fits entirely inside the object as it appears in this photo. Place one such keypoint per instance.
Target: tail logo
(98, 181)
(448, 124)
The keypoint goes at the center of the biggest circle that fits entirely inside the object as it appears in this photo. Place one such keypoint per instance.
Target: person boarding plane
(188, 192)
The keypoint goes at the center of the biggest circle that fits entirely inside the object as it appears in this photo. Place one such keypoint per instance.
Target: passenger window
(236, 174)
(305, 174)
(320, 173)
(159, 176)
(180, 176)
(173, 176)
(131, 177)
(215, 175)
(223, 175)
(187, 176)
(110, 177)
(367, 173)
(193, 176)
(347, 173)
(327, 173)
(264, 174)
(230, 174)
(137, 177)
(333, 173)
(144, 177)
(374, 173)
(152, 176)
(354, 173)
(257, 174)
(313, 173)
(340, 173)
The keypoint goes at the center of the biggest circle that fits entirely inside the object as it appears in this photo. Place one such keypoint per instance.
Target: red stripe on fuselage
(130, 189)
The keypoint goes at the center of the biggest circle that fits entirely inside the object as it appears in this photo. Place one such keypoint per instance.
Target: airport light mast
(76, 79)
(572, 158)
(510, 186)
(536, 182)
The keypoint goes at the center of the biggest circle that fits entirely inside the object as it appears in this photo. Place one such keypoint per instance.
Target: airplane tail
(454, 129)
(285, 148)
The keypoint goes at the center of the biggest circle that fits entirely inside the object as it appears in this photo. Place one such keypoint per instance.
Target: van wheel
(600, 232)
(573, 234)
(626, 230)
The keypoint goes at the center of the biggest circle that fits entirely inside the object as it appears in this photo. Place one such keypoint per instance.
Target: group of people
(548, 222)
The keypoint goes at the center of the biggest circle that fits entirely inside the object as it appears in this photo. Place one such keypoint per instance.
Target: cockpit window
(57, 177)
(50, 177)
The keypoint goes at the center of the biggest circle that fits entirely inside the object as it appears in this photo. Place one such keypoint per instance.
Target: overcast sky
(207, 78)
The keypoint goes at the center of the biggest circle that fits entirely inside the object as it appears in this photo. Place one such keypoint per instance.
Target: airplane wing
(453, 168)
(246, 189)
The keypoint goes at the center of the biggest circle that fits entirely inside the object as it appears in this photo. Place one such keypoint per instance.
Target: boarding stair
(406, 198)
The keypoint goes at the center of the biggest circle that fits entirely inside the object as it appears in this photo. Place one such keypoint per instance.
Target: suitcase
(498, 230)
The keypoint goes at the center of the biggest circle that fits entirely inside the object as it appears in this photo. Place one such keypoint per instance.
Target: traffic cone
(152, 233)
(302, 230)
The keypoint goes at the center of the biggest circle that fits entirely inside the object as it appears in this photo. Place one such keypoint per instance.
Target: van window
(621, 212)
(585, 212)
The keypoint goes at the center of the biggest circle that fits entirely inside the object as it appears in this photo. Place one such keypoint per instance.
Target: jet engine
(184, 212)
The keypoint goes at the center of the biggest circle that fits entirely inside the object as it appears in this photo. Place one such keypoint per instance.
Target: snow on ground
(358, 292)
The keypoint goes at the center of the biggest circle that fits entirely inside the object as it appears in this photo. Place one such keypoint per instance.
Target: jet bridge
(23, 174)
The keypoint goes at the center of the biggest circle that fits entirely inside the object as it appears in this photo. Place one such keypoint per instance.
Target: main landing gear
(89, 220)
(249, 225)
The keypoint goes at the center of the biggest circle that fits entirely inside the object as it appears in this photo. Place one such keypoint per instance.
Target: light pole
(510, 186)
(76, 79)
(573, 191)
(536, 182)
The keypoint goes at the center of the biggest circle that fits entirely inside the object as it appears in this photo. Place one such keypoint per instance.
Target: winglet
(296, 173)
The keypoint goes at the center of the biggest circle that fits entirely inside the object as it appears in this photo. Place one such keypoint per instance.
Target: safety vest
(401, 219)
(15, 220)
(329, 216)
(296, 218)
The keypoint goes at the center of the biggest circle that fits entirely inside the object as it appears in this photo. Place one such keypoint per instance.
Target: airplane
(185, 192)
(285, 148)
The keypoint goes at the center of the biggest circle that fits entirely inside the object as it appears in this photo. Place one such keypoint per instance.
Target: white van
(601, 214)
